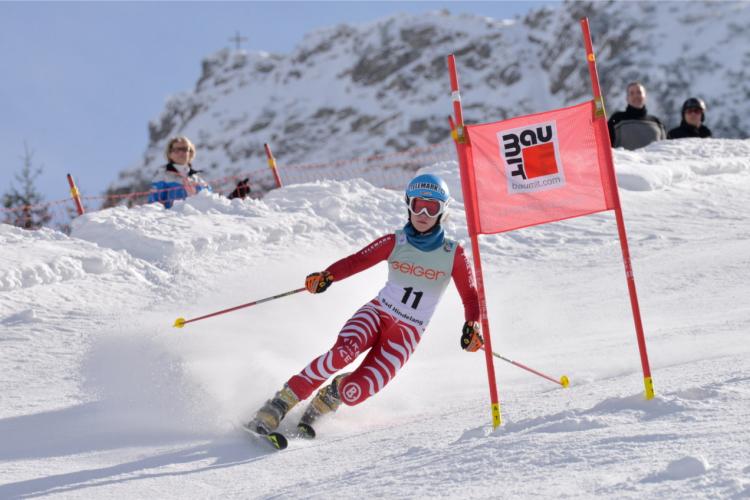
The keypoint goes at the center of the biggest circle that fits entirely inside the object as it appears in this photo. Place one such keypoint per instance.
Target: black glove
(471, 340)
(318, 282)
(241, 190)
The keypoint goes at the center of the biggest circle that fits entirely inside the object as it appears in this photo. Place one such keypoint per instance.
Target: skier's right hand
(471, 340)
(318, 282)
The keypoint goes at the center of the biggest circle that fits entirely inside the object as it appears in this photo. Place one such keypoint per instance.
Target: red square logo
(539, 160)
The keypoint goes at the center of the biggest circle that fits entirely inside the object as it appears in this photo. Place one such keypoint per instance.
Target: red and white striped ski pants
(390, 341)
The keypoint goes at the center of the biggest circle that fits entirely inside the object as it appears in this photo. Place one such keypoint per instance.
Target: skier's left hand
(471, 339)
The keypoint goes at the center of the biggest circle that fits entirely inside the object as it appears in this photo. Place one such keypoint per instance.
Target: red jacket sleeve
(463, 277)
(375, 252)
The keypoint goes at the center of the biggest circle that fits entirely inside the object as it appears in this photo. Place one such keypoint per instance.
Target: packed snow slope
(101, 398)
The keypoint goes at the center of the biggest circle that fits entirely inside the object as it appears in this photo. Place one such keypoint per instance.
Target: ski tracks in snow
(625, 438)
(573, 441)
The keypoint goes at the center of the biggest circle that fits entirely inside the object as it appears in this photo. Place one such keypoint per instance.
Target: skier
(421, 261)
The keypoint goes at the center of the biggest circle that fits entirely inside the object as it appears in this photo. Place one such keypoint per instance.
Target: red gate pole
(454, 134)
(469, 193)
(600, 121)
(75, 195)
(272, 165)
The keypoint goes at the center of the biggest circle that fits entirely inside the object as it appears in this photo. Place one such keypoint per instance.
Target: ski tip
(564, 381)
(279, 441)
(275, 439)
(306, 431)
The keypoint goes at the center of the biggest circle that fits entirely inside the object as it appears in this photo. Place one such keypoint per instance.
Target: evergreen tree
(25, 201)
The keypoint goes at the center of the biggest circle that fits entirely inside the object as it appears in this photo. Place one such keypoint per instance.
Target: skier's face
(422, 222)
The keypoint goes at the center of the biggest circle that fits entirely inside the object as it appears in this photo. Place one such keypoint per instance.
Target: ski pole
(563, 380)
(180, 322)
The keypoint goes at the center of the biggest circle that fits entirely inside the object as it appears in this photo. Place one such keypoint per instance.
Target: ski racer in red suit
(421, 262)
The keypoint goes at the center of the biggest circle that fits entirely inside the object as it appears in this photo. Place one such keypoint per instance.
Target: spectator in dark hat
(693, 116)
(634, 128)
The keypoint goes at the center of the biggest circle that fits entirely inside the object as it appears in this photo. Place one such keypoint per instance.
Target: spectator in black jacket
(634, 128)
(693, 115)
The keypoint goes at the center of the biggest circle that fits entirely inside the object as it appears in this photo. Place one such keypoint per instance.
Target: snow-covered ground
(101, 398)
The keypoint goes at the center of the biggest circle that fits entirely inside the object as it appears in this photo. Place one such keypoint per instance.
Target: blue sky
(81, 80)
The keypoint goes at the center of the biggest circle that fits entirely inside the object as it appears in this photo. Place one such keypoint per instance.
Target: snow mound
(668, 163)
(683, 468)
(46, 256)
(209, 224)
(25, 316)
(657, 407)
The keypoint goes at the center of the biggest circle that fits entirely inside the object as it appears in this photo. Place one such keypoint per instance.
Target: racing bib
(416, 280)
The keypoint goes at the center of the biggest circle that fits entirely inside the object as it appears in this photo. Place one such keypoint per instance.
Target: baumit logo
(531, 156)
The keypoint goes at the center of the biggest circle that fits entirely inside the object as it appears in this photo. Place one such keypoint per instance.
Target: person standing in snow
(421, 262)
(693, 116)
(634, 128)
(178, 179)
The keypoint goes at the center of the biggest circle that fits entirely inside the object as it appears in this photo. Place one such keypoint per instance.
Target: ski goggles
(428, 206)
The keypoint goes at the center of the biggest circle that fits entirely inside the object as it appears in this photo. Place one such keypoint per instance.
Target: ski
(275, 439)
(305, 431)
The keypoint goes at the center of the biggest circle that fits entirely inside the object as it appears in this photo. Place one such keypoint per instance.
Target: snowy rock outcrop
(382, 87)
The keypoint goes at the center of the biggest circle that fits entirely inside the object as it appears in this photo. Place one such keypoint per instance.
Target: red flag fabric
(539, 168)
